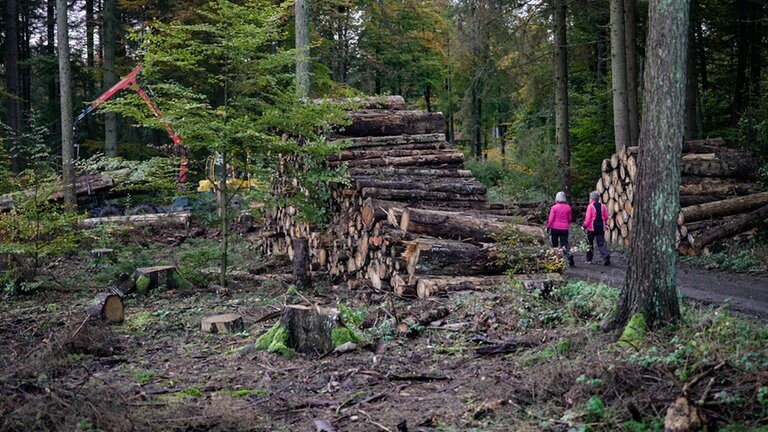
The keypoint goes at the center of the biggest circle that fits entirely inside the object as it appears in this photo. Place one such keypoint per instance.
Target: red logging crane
(130, 81)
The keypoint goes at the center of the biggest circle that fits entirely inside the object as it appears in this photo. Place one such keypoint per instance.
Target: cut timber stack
(718, 194)
(412, 210)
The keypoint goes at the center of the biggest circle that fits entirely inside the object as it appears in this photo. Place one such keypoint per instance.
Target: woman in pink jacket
(595, 227)
(559, 222)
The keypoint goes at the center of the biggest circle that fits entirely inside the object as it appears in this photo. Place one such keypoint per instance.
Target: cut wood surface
(108, 306)
(149, 278)
(222, 323)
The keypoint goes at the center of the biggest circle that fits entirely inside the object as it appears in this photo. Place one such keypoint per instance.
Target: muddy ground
(158, 371)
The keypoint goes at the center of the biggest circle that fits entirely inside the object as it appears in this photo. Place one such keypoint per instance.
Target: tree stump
(149, 278)
(108, 306)
(101, 253)
(309, 329)
(224, 323)
(301, 275)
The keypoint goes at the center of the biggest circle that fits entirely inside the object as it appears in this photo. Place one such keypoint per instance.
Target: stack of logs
(718, 194)
(413, 217)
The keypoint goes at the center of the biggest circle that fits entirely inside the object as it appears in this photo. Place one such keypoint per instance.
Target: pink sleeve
(551, 217)
(589, 217)
(605, 213)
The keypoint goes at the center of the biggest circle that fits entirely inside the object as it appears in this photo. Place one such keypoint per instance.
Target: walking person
(560, 218)
(594, 223)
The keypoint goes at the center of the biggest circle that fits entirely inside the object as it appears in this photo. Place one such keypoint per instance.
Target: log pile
(412, 209)
(718, 194)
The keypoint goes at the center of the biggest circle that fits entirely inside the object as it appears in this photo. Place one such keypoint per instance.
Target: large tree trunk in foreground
(650, 286)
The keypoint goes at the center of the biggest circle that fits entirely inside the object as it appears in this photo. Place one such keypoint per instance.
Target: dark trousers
(560, 239)
(598, 237)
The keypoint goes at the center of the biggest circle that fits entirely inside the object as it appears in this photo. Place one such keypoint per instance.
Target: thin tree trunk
(12, 82)
(742, 57)
(65, 91)
(109, 35)
(50, 48)
(302, 48)
(630, 42)
(561, 96)
(691, 84)
(619, 77)
(650, 287)
(89, 30)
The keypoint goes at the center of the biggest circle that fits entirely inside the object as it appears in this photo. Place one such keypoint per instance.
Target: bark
(89, 34)
(109, 45)
(155, 276)
(301, 274)
(309, 329)
(181, 219)
(730, 228)
(561, 97)
(724, 207)
(50, 48)
(13, 98)
(630, 42)
(302, 48)
(65, 91)
(619, 77)
(735, 166)
(650, 286)
(397, 122)
(461, 226)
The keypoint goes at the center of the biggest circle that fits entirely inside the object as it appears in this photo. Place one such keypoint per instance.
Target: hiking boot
(608, 260)
(570, 261)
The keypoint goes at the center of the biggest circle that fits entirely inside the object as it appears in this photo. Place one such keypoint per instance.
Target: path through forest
(745, 292)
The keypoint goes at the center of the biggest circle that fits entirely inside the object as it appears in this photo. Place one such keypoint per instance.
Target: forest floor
(557, 372)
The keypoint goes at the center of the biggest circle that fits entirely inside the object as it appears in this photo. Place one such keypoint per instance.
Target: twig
(373, 422)
(688, 386)
(87, 317)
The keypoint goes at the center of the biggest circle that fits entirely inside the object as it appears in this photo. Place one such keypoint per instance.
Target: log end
(224, 323)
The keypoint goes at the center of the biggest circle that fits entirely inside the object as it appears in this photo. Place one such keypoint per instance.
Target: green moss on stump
(342, 335)
(275, 341)
(142, 284)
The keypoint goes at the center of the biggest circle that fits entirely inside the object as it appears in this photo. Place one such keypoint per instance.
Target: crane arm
(130, 81)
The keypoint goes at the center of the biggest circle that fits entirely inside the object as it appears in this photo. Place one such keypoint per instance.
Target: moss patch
(142, 285)
(275, 341)
(634, 332)
(342, 335)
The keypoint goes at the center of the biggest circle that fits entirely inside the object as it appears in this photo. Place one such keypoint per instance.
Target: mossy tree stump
(309, 328)
(149, 278)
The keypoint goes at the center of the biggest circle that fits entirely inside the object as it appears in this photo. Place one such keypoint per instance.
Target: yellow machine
(236, 180)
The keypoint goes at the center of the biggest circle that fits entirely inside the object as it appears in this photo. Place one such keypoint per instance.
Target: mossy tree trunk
(650, 286)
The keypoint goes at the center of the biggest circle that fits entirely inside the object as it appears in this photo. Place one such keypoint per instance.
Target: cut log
(224, 323)
(453, 258)
(107, 306)
(181, 219)
(419, 195)
(463, 226)
(371, 102)
(706, 145)
(716, 186)
(149, 278)
(735, 167)
(396, 122)
(724, 207)
(733, 227)
(435, 286)
(452, 158)
(102, 252)
(309, 328)
(381, 141)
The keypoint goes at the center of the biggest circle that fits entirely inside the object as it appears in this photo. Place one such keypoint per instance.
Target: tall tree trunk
(50, 47)
(691, 83)
(65, 91)
(302, 48)
(12, 116)
(630, 43)
(742, 58)
(109, 44)
(619, 77)
(650, 287)
(89, 34)
(561, 97)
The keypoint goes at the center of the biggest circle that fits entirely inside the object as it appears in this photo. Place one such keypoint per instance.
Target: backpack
(598, 225)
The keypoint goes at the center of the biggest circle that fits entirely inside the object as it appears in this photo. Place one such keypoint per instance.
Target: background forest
(487, 65)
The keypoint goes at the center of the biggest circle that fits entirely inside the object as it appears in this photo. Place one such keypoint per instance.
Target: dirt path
(746, 293)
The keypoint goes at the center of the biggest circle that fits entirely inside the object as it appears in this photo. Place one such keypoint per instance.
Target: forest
(332, 215)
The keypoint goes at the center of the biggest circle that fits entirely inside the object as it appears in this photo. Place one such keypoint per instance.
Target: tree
(302, 47)
(109, 48)
(12, 82)
(561, 97)
(650, 287)
(630, 44)
(228, 88)
(621, 128)
(65, 91)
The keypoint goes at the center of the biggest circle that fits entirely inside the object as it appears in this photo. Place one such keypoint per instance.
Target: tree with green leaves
(650, 288)
(227, 85)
